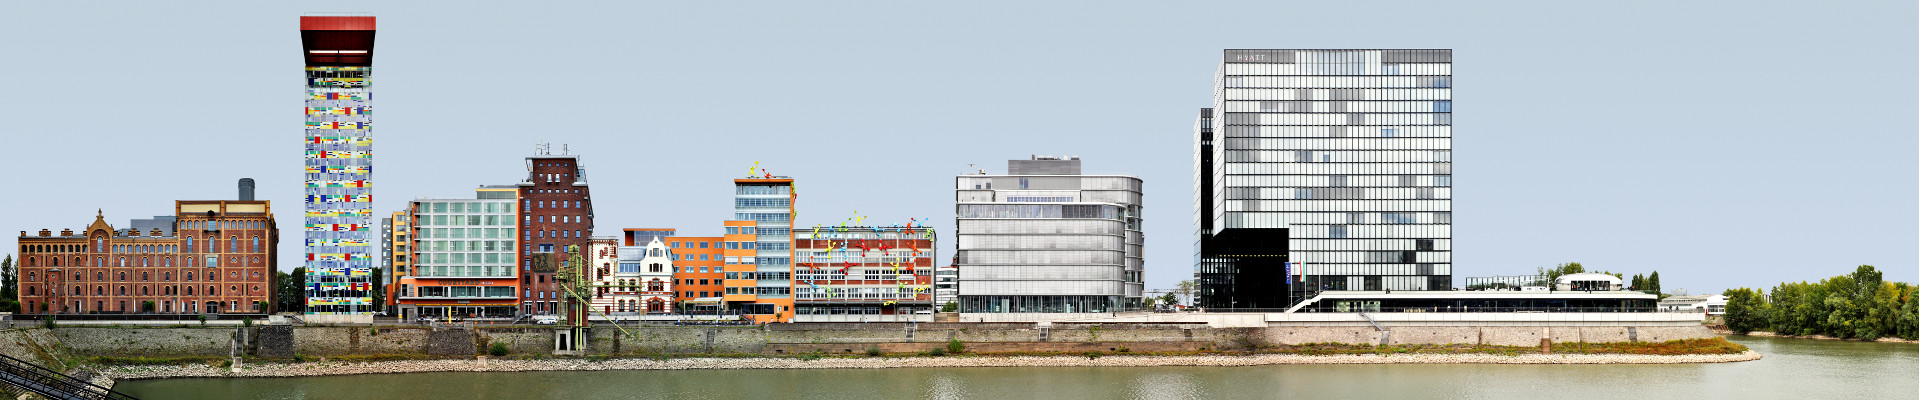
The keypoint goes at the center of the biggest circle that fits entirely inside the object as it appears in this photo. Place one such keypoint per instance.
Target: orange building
(699, 268)
(759, 281)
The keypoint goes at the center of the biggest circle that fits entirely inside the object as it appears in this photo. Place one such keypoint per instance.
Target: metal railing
(52, 384)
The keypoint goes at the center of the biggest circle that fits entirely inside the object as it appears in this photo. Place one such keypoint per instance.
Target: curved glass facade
(1046, 239)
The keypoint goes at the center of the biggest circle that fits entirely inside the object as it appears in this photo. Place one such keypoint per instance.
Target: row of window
(34, 290)
(162, 306)
(762, 189)
(1038, 211)
(1336, 82)
(464, 233)
(1336, 193)
(165, 276)
(1335, 131)
(1351, 68)
(212, 261)
(1346, 168)
(759, 290)
(1393, 180)
(1309, 156)
(1339, 94)
(1351, 119)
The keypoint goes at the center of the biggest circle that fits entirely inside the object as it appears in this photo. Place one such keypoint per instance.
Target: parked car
(546, 320)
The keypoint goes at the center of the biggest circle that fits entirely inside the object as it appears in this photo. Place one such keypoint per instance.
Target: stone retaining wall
(990, 348)
(317, 341)
(1495, 336)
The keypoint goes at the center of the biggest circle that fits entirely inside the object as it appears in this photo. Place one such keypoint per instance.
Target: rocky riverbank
(1724, 332)
(407, 366)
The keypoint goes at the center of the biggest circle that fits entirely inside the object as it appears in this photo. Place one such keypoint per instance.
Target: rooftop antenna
(981, 171)
(565, 149)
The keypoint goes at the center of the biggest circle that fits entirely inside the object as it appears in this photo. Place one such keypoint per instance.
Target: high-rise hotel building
(339, 165)
(1324, 170)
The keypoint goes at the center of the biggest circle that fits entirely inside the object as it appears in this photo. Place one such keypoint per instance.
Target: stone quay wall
(779, 339)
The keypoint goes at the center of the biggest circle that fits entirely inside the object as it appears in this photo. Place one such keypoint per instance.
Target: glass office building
(1324, 170)
(1046, 239)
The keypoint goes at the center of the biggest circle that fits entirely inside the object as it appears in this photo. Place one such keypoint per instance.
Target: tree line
(1860, 305)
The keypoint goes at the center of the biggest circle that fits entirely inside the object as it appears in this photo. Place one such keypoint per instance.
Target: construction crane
(575, 287)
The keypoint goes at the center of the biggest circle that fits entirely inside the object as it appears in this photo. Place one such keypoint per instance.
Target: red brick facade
(556, 211)
(218, 257)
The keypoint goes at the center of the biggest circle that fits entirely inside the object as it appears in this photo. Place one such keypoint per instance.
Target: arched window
(655, 285)
(123, 275)
(123, 290)
(78, 277)
(144, 277)
(143, 290)
(233, 243)
(146, 262)
(168, 276)
(99, 276)
(189, 276)
(33, 291)
(166, 262)
(123, 261)
(32, 262)
(99, 291)
(189, 290)
(55, 260)
(256, 244)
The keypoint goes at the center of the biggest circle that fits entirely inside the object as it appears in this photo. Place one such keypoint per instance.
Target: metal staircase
(52, 384)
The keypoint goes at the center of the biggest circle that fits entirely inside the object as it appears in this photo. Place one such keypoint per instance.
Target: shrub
(246, 322)
(936, 352)
(810, 356)
(203, 320)
(1092, 355)
(48, 322)
(950, 307)
(954, 346)
(497, 350)
(873, 351)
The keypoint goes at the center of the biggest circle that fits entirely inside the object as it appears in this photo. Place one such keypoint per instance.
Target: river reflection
(1793, 368)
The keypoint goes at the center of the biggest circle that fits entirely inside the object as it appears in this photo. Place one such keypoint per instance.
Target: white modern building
(462, 256)
(1322, 170)
(1046, 239)
(1714, 304)
(1589, 282)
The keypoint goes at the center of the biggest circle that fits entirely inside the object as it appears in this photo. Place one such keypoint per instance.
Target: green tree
(379, 291)
(1638, 282)
(1553, 273)
(1186, 288)
(1169, 298)
(291, 296)
(1746, 310)
(950, 307)
(1652, 283)
(9, 286)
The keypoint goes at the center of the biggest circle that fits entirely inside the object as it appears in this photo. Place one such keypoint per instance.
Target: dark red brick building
(556, 211)
(212, 256)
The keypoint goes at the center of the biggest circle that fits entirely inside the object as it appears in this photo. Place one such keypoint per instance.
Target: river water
(1792, 368)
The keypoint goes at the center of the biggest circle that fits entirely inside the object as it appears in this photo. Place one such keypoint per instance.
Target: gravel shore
(390, 367)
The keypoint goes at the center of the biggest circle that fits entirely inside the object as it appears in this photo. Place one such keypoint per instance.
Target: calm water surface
(1793, 368)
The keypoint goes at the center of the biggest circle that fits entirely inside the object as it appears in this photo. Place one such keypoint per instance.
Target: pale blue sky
(1720, 143)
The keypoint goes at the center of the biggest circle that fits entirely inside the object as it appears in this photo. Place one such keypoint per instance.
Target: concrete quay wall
(1061, 336)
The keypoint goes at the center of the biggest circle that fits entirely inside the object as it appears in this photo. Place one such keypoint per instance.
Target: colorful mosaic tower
(339, 165)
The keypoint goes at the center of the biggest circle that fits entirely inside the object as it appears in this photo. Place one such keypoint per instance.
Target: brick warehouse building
(210, 256)
(556, 211)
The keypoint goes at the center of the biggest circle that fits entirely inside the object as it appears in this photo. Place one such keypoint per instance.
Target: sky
(1722, 144)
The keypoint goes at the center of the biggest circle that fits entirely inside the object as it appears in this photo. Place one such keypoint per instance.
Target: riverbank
(413, 366)
(1723, 332)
